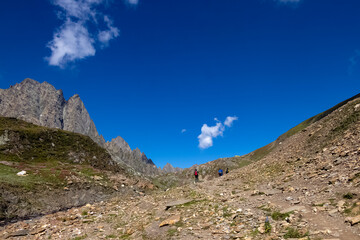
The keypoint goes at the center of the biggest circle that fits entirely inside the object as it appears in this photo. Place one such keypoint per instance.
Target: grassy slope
(52, 158)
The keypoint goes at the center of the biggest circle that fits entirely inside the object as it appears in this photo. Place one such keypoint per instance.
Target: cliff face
(42, 104)
(121, 152)
(33, 102)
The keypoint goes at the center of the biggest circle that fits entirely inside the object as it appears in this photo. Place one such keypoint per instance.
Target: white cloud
(73, 40)
(183, 130)
(132, 2)
(229, 120)
(106, 35)
(208, 133)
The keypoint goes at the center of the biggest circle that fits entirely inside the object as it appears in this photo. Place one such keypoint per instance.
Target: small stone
(353, 220)
(170, 221)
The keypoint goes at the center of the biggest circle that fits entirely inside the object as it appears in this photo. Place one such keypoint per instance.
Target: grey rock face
(77, 119)
(42, 104)
(121, 152)
(168, 168)
(31, 101)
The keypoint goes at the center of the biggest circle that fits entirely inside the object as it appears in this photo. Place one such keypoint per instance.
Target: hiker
(196, 175)
(227, 170)
(220, 172)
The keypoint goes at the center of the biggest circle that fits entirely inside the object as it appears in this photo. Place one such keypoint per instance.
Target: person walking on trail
(220, 172)
(196, 175)
(227, 170)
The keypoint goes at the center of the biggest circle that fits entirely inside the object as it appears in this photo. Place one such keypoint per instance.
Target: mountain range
(43, 105)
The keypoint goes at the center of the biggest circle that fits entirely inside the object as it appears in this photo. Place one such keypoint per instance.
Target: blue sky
(147, 70)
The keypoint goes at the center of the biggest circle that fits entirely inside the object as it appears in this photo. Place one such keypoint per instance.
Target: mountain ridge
(43, 105)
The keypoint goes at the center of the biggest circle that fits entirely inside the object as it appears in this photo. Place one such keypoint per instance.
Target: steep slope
(42, 104)
(63, 169)
(209, 169)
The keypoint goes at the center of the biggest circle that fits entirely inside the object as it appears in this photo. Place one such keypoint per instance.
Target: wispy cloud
(73, 40)
(209, 133)
(354, 60)
(229, 120)
(132, 2)
(183, 130)
(106, 35)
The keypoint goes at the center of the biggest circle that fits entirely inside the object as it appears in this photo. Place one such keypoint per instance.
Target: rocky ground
(306, 187)
(223, 208)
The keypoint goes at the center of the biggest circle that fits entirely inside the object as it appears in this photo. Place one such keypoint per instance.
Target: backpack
(196, 173)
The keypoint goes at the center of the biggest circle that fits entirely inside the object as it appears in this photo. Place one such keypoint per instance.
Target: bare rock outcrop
(121, 152)
(42, 104)
(33, 102)
(168, 168)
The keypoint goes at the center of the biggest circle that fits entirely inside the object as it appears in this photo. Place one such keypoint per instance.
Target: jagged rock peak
(168, 168)
(42, 104)
(121, 143)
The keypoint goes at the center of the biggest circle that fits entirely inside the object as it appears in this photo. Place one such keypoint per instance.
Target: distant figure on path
(196, 175)
(220, 172)
(227, 170)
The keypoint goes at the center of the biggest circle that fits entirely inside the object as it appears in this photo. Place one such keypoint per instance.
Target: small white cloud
(229, 120)
(74, 40)
(183, 130)
(71, 42)
(106, 35)
(208, 133)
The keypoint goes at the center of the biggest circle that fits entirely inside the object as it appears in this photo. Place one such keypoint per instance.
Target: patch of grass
(347, 210)
(171, 232)
(254, 232)
(125, 236)
(190, 203)
(332, 201)
(80, 237)
(264, 208)
(41, 177)
(226, 212)
(352, 210)
(294, 233)
(280, 216)
(353, 118)
(84, 213)
(179, 224)
(267, 227)
(111, 236)
(348, 195)
(261, 152)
